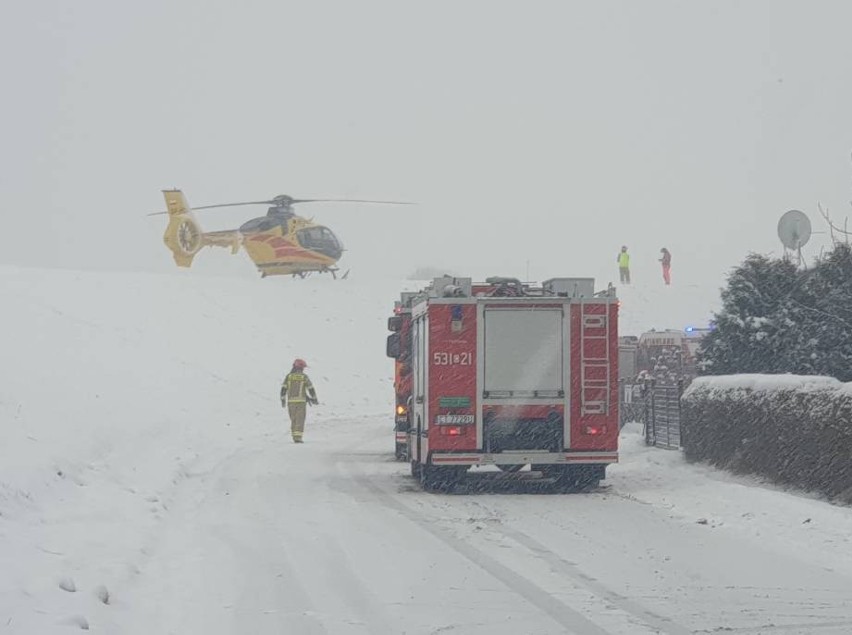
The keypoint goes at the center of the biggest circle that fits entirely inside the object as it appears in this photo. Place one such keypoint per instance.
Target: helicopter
(279, 243)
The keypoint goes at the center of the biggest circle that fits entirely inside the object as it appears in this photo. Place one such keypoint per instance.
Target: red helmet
(300, 363)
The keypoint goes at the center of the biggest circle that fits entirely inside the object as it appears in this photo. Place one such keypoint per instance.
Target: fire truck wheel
(441, 479)
(415, 469)
(574, 478)
(556, 472)
(564, 476)
(586, 484)
(400, 452)
(588, 477)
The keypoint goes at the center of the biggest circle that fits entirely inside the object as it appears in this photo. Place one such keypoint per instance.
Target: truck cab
(399, 348)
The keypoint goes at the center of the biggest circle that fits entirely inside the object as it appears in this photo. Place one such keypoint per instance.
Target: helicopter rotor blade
(233, 204)
(348, 200)
(195, 209)
(290, 201)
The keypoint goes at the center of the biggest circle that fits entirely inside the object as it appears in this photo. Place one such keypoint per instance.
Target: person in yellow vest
(624, 265)
(297, 392)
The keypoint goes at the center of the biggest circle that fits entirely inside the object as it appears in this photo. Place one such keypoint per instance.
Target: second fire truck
(510, 374)
(401, 323)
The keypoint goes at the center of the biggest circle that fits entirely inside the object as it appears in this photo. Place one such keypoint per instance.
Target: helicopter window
(320, 239)
(316, 236)
(311, 236)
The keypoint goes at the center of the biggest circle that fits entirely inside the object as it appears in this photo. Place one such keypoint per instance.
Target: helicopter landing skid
(304, 274)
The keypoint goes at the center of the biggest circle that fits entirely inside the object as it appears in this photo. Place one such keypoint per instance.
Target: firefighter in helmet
(297, 392)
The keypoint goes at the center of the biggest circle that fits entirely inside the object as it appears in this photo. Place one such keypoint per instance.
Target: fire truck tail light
(595, 430)
(451, 431)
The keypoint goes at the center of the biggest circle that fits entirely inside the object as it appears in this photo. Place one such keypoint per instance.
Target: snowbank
(792, 429)
(115, 388)
(764, 383)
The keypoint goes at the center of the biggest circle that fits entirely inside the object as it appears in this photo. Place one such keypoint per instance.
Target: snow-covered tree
(778, 319)
(747, 337)
(825, 340)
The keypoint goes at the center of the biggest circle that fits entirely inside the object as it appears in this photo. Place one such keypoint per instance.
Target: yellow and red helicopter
(279, 243)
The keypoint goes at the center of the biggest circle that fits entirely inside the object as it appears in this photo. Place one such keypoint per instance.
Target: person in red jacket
(666, 260)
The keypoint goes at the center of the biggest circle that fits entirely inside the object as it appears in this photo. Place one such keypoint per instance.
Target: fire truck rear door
(523, 352)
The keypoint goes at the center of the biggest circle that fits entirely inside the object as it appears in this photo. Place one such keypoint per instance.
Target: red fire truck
(510, 374)
(400, 324)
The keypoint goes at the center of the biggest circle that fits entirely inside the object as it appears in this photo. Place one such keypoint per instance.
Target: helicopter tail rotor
(183, 235)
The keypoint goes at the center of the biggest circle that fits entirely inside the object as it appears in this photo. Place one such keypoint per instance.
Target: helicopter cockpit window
(320, 239)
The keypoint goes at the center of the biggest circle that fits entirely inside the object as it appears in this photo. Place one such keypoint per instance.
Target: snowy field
(148, 485)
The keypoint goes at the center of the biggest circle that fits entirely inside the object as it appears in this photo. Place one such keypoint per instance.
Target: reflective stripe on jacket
(297, 387)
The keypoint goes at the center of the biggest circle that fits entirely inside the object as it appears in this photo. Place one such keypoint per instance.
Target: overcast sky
(548, 132)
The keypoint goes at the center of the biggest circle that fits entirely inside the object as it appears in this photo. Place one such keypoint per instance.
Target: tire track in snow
(569, 569)
(355, 593)
(557, 610)
(348, 584)
(278, 596)
(840, 628)
(529, 590)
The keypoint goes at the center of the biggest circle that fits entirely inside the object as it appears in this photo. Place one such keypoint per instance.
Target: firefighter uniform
(297, 392)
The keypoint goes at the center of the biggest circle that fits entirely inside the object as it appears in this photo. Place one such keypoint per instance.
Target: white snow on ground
(148, 485)
(765, 383)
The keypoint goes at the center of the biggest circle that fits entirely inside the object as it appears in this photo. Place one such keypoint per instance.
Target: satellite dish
(794, 229)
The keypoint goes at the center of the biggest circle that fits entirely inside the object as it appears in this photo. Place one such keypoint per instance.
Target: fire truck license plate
(454, 419)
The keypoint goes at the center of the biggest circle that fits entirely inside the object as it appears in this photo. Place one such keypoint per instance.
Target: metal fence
(631, 402)
(662, 415)
(655, 404)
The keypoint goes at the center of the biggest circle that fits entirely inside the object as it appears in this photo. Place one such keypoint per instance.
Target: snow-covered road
(148, 485)
(334, 537)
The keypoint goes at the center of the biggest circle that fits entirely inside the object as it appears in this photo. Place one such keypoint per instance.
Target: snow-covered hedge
(792, 429)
